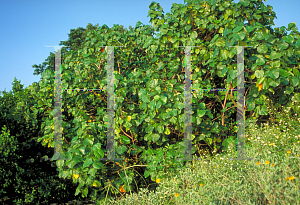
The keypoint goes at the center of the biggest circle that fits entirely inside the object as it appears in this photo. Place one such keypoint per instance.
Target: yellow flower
(257, 163)
(272, 144)
(292, 177)
(259, 86)
(75, 176)
(273, 165)
(289, 152)
(122, 189)
(203, 5)
(89, 120)
(157, 180)
(267, 162)
(208, 128)
(128, 118)
(176, 195)
(201, 184)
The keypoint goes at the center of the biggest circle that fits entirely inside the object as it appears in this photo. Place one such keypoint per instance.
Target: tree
(149, 89)
(76, 37)
(23, 166)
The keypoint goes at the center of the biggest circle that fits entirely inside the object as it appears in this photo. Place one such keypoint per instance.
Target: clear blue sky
(28, 26)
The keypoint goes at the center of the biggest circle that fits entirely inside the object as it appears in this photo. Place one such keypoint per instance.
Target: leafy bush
(24, 174)
(9, 171)
(271, 178)
(149, 90)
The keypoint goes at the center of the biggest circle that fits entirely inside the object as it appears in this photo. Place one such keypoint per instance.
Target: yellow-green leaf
(221, 30)
(225, 16)
(167, 131)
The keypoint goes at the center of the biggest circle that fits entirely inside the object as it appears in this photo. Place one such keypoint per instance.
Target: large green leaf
(289, 39)
(152, 105)
(160, 128)
(237, 29)
(294, 81)
(149, 129)
(274, 73)
(260, 60)
(194, 35)
(275, 55)
(60, 163)
(98, 165)
(283, 46)
(259, 73)
(275, 64)
(125, 139)
(88, 141)
(239, 36)
(87, 163)
(249, 28)
(155, 137)
(262, 48)
(158, 105)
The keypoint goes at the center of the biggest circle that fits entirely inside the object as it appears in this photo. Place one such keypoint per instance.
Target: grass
(271, 178)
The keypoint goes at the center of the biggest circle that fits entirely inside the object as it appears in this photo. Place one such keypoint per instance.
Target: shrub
(24, 174)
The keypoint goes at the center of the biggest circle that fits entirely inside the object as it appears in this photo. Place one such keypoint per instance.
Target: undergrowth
(271, 178)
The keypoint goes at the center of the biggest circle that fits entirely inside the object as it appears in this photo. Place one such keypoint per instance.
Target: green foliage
(149, 90)
(7, 151)
(74, 42)
(25, 176)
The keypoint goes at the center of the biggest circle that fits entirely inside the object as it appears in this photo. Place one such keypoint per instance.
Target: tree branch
(126, 133)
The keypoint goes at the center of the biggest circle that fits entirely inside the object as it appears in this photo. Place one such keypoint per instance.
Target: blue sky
(28, 26)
